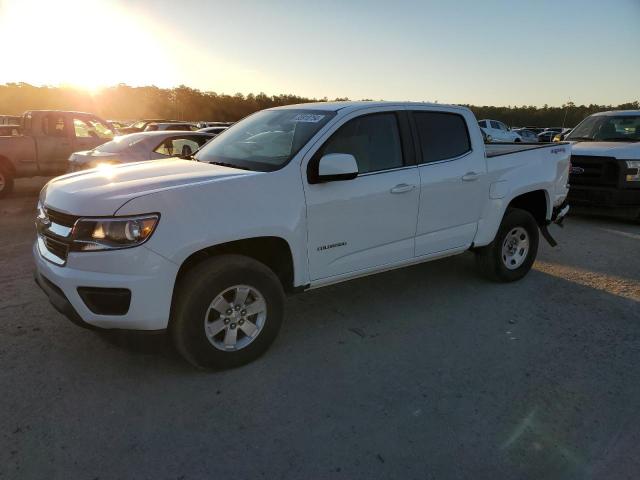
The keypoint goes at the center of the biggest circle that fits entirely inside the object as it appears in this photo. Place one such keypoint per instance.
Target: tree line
(123, 102)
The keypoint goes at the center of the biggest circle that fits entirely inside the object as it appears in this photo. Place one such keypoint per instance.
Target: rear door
(369, 221)
(54, 144)
(453, 180)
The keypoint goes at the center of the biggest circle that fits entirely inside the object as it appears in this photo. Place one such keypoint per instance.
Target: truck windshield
(603, 128)
(264, 141)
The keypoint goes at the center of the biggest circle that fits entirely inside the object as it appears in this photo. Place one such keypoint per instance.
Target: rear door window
(495, 125)
(441, 135)
(55, 126)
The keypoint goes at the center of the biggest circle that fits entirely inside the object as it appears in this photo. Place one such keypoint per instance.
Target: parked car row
(51, 142)
(499, 132)
(155, 124)
(604, 175)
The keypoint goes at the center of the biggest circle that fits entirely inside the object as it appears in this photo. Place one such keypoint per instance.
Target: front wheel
(512, 253)
(228, 310)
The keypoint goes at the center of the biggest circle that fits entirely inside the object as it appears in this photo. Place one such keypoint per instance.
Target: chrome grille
(54, 234)
(61, 218)
(594, 170)
(59, 249)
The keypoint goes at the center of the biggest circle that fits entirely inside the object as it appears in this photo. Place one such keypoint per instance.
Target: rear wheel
(228, 310)
(6, 181)
(512, 253)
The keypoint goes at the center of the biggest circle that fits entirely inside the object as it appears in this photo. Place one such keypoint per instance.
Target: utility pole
(566, 110)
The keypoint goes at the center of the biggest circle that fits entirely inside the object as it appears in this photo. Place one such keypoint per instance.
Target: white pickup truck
(288, 199)
(605, 164)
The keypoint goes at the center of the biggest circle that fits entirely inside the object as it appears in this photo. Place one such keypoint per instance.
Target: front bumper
(148, 276)
(608, 200)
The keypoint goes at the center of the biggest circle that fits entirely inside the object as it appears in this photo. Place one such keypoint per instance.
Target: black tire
(490, 259)
(6, 181)
(194, 294)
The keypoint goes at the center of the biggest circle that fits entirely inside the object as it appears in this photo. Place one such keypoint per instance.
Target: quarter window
(179, 146)
(442, 135)
(374, 141)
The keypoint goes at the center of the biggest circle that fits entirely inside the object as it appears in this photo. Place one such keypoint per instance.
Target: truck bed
(497, 149)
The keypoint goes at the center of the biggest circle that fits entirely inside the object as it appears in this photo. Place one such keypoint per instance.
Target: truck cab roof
(359, 105)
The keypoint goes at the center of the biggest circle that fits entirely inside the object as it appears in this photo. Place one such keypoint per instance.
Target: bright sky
(483, 52)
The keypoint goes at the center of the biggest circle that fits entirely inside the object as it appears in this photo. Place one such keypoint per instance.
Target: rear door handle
(470, 177)
(402, 188)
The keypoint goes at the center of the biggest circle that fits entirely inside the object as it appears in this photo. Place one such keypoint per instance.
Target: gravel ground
(429, 372)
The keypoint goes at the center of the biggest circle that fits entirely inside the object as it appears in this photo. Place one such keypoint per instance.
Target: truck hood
(621, 150)
(103, 191)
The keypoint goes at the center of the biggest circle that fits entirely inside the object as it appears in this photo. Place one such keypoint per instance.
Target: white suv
(499, 132)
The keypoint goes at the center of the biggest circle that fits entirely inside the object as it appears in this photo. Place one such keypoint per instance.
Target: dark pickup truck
(47, 139)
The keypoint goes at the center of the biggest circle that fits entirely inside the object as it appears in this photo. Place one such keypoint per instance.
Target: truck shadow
(418, 297)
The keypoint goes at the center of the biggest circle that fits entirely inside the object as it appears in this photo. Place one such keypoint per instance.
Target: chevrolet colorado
(288, 199)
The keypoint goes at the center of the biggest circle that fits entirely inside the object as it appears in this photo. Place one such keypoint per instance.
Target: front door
(90, 132)
(369, 221)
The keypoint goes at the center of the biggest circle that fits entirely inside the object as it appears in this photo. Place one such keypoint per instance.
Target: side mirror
(337, 166)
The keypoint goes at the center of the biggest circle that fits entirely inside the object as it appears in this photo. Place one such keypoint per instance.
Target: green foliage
(185, 103)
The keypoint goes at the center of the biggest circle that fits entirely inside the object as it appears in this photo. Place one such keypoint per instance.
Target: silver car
(527, 135)
(141, 146)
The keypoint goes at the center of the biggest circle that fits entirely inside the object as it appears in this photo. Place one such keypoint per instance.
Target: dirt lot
(428, 372)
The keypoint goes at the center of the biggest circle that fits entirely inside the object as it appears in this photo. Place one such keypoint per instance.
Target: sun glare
(86, 44)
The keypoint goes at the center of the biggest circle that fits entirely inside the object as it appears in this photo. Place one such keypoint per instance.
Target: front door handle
(402, 188)
(470, 177)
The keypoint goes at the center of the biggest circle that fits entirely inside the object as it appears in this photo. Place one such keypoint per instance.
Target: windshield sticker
(307, 118)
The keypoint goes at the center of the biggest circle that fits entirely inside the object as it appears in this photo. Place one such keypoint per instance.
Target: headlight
(92, 234)
(633, 164)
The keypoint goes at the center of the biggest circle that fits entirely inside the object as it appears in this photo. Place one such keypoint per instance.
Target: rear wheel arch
(535, 202)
